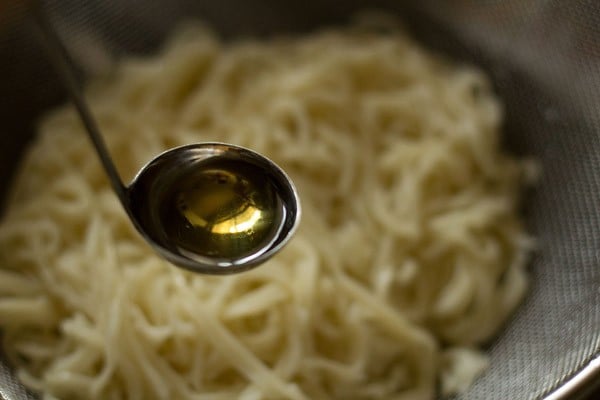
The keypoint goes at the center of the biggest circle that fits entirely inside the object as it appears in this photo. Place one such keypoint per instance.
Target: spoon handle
(65, 68)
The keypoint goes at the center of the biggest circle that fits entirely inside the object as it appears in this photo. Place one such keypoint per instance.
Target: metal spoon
(212, 208)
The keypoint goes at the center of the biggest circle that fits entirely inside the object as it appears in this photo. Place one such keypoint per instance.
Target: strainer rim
(587, 378)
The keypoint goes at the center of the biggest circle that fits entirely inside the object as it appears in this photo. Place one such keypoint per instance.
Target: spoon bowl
(213, 208)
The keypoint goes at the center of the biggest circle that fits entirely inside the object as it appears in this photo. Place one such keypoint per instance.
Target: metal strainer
(544, 58)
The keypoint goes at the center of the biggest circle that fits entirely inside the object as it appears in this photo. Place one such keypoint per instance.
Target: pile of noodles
(409, 256)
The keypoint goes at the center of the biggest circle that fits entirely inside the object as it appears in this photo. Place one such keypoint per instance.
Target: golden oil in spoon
(222, 209)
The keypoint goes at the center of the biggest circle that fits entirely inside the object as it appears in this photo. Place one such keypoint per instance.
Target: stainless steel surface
(251, 230)
(544, 59)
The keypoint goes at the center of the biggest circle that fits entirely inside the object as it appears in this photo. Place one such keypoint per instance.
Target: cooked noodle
(410, 254)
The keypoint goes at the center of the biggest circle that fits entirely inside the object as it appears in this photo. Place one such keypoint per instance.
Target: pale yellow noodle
(410, 253)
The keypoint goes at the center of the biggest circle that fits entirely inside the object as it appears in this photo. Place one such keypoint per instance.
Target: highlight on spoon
(214, 207)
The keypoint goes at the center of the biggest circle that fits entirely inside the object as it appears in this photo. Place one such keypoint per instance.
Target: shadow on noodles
(411, 253)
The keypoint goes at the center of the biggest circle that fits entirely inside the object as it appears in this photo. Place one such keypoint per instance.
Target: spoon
(212, 208)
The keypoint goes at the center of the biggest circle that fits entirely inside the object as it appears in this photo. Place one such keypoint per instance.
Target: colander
(544, 59)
